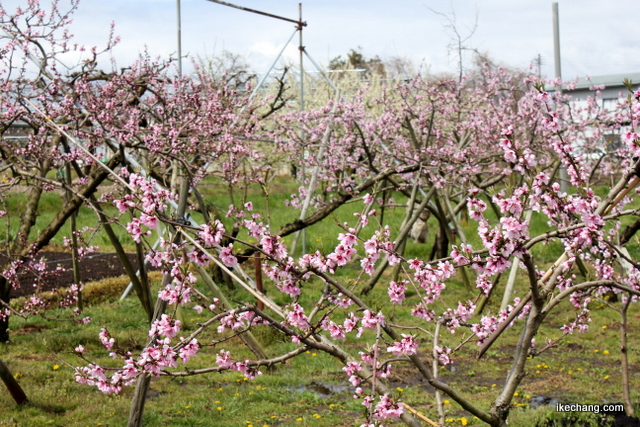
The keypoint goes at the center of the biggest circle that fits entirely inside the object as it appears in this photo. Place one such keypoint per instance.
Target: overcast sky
(597, 37)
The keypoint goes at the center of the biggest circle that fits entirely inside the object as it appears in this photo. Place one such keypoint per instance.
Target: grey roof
(609, 81)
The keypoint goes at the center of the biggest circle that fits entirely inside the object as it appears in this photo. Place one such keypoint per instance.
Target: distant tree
(399, 67)
(459, 42)
(357, 61)
(229, 67)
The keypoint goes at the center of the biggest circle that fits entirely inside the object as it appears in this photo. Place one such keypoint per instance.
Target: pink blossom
(296, 317)
(150, 221)
(397, 291)
(212, 236)
(134, 228)
(165, 326)
(226, 256)
(189, 350)
(444, 355)
(386, 408)
(407, 346)
(224, 359)
(106, 339)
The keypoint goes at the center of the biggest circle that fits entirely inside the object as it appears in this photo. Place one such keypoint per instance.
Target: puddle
(321, 389)
(538, 401)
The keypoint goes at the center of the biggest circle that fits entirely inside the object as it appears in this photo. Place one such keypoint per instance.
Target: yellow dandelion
(446, 402)
(56, 367)
(400, 389)
(299, 419)
(606, 352)
(604, 326)
(219, 408)
(606, 377)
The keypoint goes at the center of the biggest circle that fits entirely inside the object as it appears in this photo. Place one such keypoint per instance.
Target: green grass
(583, 368)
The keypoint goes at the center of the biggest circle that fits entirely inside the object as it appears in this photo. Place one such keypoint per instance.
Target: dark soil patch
(92, 267)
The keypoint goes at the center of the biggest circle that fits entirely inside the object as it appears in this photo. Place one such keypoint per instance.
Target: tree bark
(624, 359)
(12, 385)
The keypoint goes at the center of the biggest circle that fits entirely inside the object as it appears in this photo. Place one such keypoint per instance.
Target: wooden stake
(419, 415)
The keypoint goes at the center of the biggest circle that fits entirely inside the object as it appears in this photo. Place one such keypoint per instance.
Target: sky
(597, 37)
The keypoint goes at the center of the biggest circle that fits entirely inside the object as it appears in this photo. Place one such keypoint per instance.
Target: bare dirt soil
(92, 267)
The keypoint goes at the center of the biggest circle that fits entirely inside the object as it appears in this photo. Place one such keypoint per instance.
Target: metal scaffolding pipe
(270, 15)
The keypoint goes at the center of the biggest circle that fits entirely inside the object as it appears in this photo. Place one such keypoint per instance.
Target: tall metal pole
(564, 177)
(179, 39)
(556, 41)
(301, 49)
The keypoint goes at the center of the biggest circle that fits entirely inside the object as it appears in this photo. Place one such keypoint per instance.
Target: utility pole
(301, 49)
(564, 177)
(179, 39)
(556, 41)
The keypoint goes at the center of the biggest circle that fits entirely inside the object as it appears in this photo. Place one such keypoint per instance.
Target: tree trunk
(624, 359)
(12, 385)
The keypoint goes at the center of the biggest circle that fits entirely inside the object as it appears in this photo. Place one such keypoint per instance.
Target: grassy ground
(310, 390)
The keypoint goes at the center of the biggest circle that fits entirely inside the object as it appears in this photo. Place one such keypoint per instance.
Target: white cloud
(596, 38)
